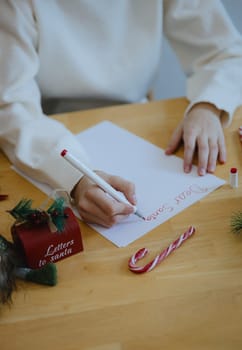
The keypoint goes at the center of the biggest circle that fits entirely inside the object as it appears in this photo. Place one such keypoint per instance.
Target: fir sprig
(23, 212)
(236, 223)
(56, 211)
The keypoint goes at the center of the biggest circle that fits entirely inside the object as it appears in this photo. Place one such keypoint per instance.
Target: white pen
(98, 180)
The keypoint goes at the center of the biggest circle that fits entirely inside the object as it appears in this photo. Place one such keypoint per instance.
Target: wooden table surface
(193, 300)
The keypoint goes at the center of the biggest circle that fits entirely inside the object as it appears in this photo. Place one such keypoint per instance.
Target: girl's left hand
(201, 131)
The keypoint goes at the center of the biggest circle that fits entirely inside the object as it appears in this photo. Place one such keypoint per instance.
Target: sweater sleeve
(210, 51)
(31, 140)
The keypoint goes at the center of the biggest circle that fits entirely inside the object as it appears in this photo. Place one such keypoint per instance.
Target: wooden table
(193, 300)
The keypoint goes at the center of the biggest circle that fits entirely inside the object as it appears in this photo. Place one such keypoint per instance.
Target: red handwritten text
(188, 192)
(180, 198)
(161, 209)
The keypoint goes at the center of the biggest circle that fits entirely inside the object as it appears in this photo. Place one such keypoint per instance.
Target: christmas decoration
(11, 268)
(45, 236)
(140, 254)
(40, 238)
(54, 216)
(236, 223)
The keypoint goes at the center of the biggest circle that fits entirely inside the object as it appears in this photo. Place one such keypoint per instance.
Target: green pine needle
(56, 211)
(58, 205)
(236, 223)
(22, 210)
(45, 275)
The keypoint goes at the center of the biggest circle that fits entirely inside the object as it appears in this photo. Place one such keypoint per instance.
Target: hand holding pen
(92, 201)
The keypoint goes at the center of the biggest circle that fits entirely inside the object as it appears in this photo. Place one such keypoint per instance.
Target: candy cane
(140, 254)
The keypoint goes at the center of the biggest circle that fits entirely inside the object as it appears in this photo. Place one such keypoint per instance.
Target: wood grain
(192, 300)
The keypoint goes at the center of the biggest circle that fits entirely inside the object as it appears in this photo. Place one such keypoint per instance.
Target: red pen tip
(63, 153)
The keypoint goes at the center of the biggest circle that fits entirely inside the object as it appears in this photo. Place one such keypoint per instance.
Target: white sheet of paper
(162, 188)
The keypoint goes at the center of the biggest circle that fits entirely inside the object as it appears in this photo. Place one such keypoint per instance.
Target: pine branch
(56, 211)
(236, 223)
(23, 212)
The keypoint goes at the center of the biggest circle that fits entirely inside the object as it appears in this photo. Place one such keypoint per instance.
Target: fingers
(202, 133)
(222, 150)
(211, 156)
(189, 151)
(209, 151)
(175, 140)
(207, 156)
(124, 186)
(96, 207)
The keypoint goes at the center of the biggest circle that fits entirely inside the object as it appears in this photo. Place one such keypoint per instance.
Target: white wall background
(171, 80)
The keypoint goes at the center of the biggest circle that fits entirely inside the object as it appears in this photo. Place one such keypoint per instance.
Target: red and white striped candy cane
(140, 254)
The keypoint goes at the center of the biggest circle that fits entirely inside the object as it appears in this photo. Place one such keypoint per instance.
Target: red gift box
(39, 245)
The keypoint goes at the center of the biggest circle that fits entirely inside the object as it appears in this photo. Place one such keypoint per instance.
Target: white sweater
(105, 50)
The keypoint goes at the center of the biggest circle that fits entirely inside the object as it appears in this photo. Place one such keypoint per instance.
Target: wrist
(206, 106)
